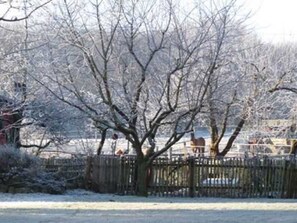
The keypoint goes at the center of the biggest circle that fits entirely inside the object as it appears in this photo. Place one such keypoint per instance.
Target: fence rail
(197, 177)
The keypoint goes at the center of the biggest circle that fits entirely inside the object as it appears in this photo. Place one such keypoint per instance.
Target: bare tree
(233, 87)
(282, 84)
(235, 91)
(137, 68)
(35, 113)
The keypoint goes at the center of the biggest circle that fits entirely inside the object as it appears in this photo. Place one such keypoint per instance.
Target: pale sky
(274, 20)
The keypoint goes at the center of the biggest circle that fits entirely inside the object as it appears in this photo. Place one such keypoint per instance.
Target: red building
(6, 126)
(8, 129)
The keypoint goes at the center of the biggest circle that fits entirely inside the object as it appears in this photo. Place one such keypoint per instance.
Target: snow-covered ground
(84, 206)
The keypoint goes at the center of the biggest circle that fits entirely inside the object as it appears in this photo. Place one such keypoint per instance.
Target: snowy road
(82, 206)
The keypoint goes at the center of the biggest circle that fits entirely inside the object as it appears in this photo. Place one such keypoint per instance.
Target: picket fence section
(197, 177)
(192, 177)
(71, 170)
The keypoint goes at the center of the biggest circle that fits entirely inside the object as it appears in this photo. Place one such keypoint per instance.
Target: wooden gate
(102, 173)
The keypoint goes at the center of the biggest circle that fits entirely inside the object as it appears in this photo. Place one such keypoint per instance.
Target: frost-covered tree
(140, 68)
(242, 97)
(282, 85)
(234, 90)
(36, 114)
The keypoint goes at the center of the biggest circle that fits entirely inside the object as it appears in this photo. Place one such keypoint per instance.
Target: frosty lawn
(83, 206)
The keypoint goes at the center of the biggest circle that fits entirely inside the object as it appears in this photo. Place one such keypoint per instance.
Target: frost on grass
(22, 173)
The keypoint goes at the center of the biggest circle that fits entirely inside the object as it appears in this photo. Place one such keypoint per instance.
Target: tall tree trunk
(214, 136)
(293, 149)
(214, 131)
(103, 137)
(142, 179)
(233, 137)
(214, 149)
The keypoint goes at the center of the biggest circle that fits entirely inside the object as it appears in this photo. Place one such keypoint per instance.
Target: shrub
(21, 170)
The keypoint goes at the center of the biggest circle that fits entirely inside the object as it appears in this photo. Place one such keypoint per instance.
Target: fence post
(191, 177)
(290, 179)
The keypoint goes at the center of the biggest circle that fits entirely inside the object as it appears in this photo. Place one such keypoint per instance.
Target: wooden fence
(72, 170)
(197, 177)
(103, 174)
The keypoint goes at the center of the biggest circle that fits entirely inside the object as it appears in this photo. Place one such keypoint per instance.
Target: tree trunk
(293, 150)
(214, 149)
(142, 179)
(214, 136)
(103, 137)
(233, 137)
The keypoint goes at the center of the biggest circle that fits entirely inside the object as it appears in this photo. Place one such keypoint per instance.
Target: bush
(21, 172)
(13, 162)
